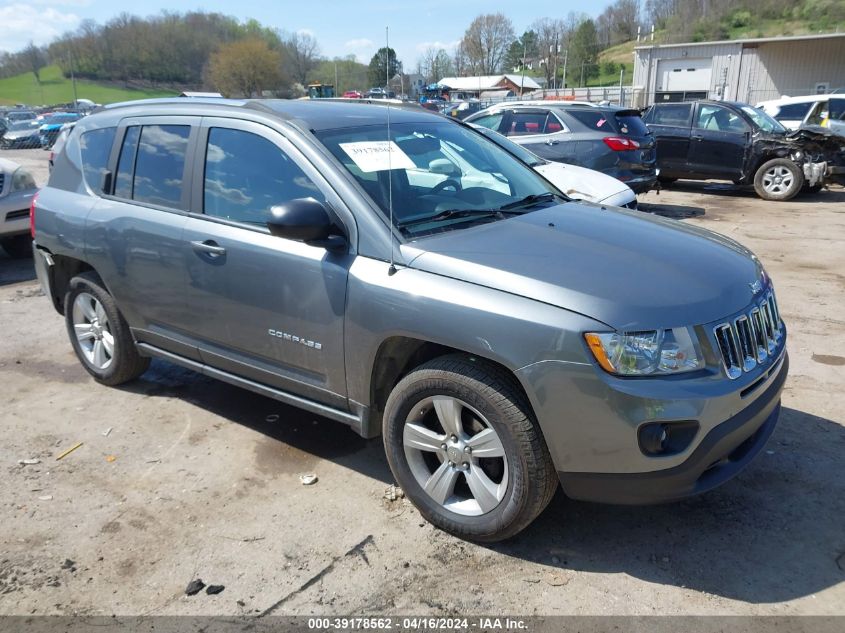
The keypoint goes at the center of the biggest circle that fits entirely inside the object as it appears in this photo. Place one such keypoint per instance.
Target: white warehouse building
(750, 70)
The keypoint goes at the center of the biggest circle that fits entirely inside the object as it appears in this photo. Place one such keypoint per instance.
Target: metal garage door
(684, 75)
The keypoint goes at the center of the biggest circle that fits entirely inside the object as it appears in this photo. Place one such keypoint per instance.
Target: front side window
(491, 121)
(95, 147)
(246, 175)
(763, 120)
(719, 119)
(439, 175)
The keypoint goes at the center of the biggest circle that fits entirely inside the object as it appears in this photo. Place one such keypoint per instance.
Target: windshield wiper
(449, 214)
(532, 199)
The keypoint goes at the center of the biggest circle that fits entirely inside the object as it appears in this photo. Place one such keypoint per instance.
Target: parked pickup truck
(499, 336)
(725, 140)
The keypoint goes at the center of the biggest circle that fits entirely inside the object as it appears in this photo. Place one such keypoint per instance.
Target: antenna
(392, 269)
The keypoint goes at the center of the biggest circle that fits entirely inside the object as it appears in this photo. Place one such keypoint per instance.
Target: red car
(352, 94)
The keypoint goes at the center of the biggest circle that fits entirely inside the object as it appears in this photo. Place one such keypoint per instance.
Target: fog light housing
(666, 438)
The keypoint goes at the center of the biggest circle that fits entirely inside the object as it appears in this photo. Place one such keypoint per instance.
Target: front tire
(99, 334)
(778, 179)
(462, 443)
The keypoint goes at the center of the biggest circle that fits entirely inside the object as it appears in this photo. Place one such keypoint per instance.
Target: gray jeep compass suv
(500, 337)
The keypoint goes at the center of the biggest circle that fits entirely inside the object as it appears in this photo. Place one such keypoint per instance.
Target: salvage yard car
(725, 140)
(578, 183)
(501, 338)
(609, 139)
(17, 188)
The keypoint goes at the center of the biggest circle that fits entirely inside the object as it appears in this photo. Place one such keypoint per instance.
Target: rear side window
(246, 175)
(671, 114)
(126, 163)
(525, 123)
(160, 164)
(95, 146)
(793, 111)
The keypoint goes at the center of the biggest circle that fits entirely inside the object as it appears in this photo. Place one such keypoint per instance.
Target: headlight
(658, 352)
(22, 180)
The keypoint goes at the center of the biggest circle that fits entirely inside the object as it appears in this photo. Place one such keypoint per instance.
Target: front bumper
(720, 455)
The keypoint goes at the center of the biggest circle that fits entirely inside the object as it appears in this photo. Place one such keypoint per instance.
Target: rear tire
(778, 179)
(495, 475)
(99, 334)
(666, 181)
(17, 246)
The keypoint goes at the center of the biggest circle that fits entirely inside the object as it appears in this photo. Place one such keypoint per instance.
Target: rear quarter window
(593, 119)
(95, 146)
(631, 124)
(793, 111)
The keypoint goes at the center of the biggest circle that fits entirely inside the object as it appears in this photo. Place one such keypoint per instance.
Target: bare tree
(34, 60)
(550, 34)
(486, 42)
(301, 55)
(435, 64)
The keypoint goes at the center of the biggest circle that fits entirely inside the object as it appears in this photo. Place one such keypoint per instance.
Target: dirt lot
(200, 479)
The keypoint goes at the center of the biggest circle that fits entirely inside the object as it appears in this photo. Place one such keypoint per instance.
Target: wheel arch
(63, 270)
(398, 355)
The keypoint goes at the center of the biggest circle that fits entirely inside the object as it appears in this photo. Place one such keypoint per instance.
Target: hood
(628, 270)
(581, 183)
(16, 134)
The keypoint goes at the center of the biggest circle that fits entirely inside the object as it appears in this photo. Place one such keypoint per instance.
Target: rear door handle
(698, 138)
(552, 141)
(209, 247)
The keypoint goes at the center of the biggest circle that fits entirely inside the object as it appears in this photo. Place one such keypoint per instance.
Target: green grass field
(54, 88)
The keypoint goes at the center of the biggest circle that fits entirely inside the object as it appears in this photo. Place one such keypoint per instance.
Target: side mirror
(305, 220)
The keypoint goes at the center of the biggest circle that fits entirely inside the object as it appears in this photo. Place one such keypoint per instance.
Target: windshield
(763, 120)
(440, 175)
(529, 158)
(22, 125)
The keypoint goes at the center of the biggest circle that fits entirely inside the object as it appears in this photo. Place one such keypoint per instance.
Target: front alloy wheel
(455, 455)
(462, 443)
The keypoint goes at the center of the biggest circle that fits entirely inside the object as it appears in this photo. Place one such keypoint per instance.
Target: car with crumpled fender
(728, 140)
(502, 339)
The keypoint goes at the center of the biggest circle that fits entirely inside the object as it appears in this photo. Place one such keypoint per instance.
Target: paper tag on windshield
(372, 156)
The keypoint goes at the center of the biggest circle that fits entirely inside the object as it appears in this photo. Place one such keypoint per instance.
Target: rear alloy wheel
(99, 334)
(462, 444)
(778, 179)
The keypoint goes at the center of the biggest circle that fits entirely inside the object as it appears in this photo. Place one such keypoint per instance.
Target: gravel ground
(181, 477)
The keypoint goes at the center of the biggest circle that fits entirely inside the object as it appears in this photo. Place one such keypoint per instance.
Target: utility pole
(565, 56)
(621, 93)
(72, 78)
(582, 74)
(336, 84)
(522, 84)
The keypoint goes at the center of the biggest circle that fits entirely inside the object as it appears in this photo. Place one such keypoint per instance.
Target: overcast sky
(340, 26)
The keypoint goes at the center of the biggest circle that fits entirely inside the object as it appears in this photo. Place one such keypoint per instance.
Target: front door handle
(697, 138)
(209, 247)
(552, 141)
